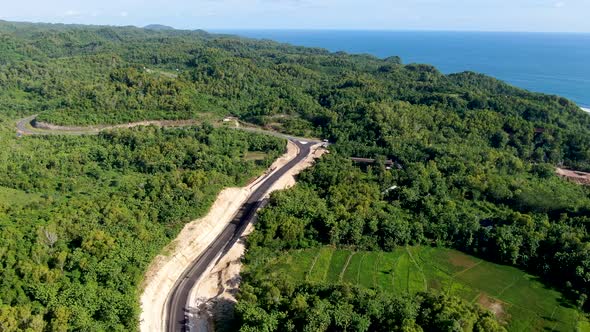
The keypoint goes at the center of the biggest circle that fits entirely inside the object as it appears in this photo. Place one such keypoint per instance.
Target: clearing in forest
(11, 196)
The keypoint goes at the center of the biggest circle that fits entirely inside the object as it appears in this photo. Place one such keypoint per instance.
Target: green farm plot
(318, 271)
(339, 259)
(353, 270)
(298, 263)
(367, 271)
(384, 272)
(518, 299)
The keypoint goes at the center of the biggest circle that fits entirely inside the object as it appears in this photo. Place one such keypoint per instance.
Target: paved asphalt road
(176, 307)
(25, 127)
(176, 304)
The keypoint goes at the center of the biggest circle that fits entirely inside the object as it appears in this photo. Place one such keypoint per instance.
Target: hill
(294, 89)
(158, 27)
(475, 169)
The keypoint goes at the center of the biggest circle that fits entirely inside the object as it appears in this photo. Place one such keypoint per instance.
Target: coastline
(585, 109)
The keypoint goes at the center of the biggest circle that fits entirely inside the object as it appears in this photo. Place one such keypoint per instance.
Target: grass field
(517, 298)
(17, 197)
(255, 155)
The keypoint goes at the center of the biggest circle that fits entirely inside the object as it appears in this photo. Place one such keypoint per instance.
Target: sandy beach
(585, 109)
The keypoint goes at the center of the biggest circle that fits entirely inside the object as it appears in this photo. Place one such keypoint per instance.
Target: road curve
(176, 304)
(26, 127)
(177, 300)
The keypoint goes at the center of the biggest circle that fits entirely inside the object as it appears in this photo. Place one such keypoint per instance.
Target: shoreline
(585, 109)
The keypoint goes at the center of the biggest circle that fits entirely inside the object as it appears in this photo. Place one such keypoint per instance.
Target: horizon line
(222, 29)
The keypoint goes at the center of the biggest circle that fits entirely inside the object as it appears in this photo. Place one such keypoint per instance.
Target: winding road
(177, 302)
(26, 127)
(178, 299)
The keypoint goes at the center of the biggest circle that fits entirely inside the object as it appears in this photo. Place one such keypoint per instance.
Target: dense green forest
(82, 217)
(347, 308)
(474, 170)
(470, 181)
(96, 75)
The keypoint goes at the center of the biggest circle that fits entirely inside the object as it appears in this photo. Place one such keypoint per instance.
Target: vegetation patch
(516, 298)
(81, 217)
(10, 196)
(256, 156)
(495, 306)
(460, 260)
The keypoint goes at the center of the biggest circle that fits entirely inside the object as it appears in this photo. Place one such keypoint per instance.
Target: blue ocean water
(553, 63)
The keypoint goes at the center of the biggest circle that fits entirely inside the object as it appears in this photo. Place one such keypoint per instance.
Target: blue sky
(481, 15)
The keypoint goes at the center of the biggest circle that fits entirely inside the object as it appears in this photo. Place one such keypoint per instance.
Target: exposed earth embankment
(214, 294)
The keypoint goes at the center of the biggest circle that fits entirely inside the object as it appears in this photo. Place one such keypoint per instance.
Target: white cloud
(123, 14)
(559, 4)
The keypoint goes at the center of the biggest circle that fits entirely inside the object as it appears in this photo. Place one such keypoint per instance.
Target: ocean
(553, 63)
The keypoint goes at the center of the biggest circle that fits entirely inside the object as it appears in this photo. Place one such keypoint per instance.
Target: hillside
(130, 74)
(159, 27)
(474, 170)
(81, 217)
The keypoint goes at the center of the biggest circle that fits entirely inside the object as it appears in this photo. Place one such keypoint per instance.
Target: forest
(346, 308)
(474, 169)
(130, 74)
(82, 217)
(525, 217)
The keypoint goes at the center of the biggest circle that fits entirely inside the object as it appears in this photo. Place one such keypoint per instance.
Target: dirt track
(574, 176)
(29, 126)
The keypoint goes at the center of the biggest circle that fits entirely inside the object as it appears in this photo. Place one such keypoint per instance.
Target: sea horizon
(547, 62)
(234, 31)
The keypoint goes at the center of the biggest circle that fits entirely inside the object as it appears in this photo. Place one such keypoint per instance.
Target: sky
(475, 15)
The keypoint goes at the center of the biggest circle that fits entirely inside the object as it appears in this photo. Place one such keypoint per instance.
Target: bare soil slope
(214, 295)
(188, 245)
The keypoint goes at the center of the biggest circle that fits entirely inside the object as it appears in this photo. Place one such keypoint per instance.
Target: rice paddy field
(518, 299)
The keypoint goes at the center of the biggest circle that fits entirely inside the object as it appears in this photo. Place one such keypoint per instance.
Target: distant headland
(158, 27)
